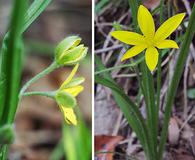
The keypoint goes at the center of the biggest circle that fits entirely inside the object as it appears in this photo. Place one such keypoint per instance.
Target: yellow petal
(167, 44)
(146, 22)
(69, 115)
(151, 58)
(127, 37)
(73, 72)
(74, 91)
(133, 52)
(168, 27)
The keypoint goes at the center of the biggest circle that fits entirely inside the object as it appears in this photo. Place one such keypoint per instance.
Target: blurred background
(39, 122)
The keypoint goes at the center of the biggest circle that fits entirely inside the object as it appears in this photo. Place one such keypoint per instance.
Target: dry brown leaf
(173, 131)
(183, 157)
(105, 143)
(192, 142)
(151, 4)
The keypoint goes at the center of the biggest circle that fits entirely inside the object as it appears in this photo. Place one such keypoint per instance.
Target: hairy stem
(48, 70)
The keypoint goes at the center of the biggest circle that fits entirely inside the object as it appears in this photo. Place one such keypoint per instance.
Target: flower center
(149, 41)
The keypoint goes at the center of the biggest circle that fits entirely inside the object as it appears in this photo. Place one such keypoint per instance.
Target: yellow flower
(65, 96)
(150, 40)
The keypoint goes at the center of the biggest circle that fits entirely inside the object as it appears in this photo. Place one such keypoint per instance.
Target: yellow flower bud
(69, 52)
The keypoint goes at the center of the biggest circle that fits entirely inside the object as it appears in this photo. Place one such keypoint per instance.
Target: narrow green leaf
(36, 8)
(134, 4)
(2, 95)
(11, 53)
(100, 5)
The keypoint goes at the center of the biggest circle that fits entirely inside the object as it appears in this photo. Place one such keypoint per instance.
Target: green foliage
(11, 53)
(36, 8)
(100, 5)
(11, 66)
(10, 72)
(6, 134)
(17, 25)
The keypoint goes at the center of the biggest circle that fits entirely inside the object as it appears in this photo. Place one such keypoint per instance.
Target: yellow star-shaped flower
(150, 40)
(65, 96)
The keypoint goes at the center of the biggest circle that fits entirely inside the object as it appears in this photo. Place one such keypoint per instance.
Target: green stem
(134, 8)
(148, 91)
(175, 80)
(119, 67)
(46, 94)
(3, 152)
(159, 72)
(48, 70)
(159, 62)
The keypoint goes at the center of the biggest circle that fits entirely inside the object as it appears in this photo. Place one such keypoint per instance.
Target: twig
(185, 110)
(187, 6)
(98, 51)
(117, 125)
(186, 121)
(125, 75)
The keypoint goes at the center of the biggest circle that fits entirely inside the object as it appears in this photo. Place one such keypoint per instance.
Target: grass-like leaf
(10, 65)
(11, 53)
(36, 8)
(10, 72)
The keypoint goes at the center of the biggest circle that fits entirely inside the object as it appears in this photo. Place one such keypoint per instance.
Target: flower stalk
(46, 94)
(48, 70)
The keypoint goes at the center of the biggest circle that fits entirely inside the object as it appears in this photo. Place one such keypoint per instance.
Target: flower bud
(69, 52)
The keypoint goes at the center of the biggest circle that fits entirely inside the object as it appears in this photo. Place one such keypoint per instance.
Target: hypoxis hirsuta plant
(69, 52)
(151, 137)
